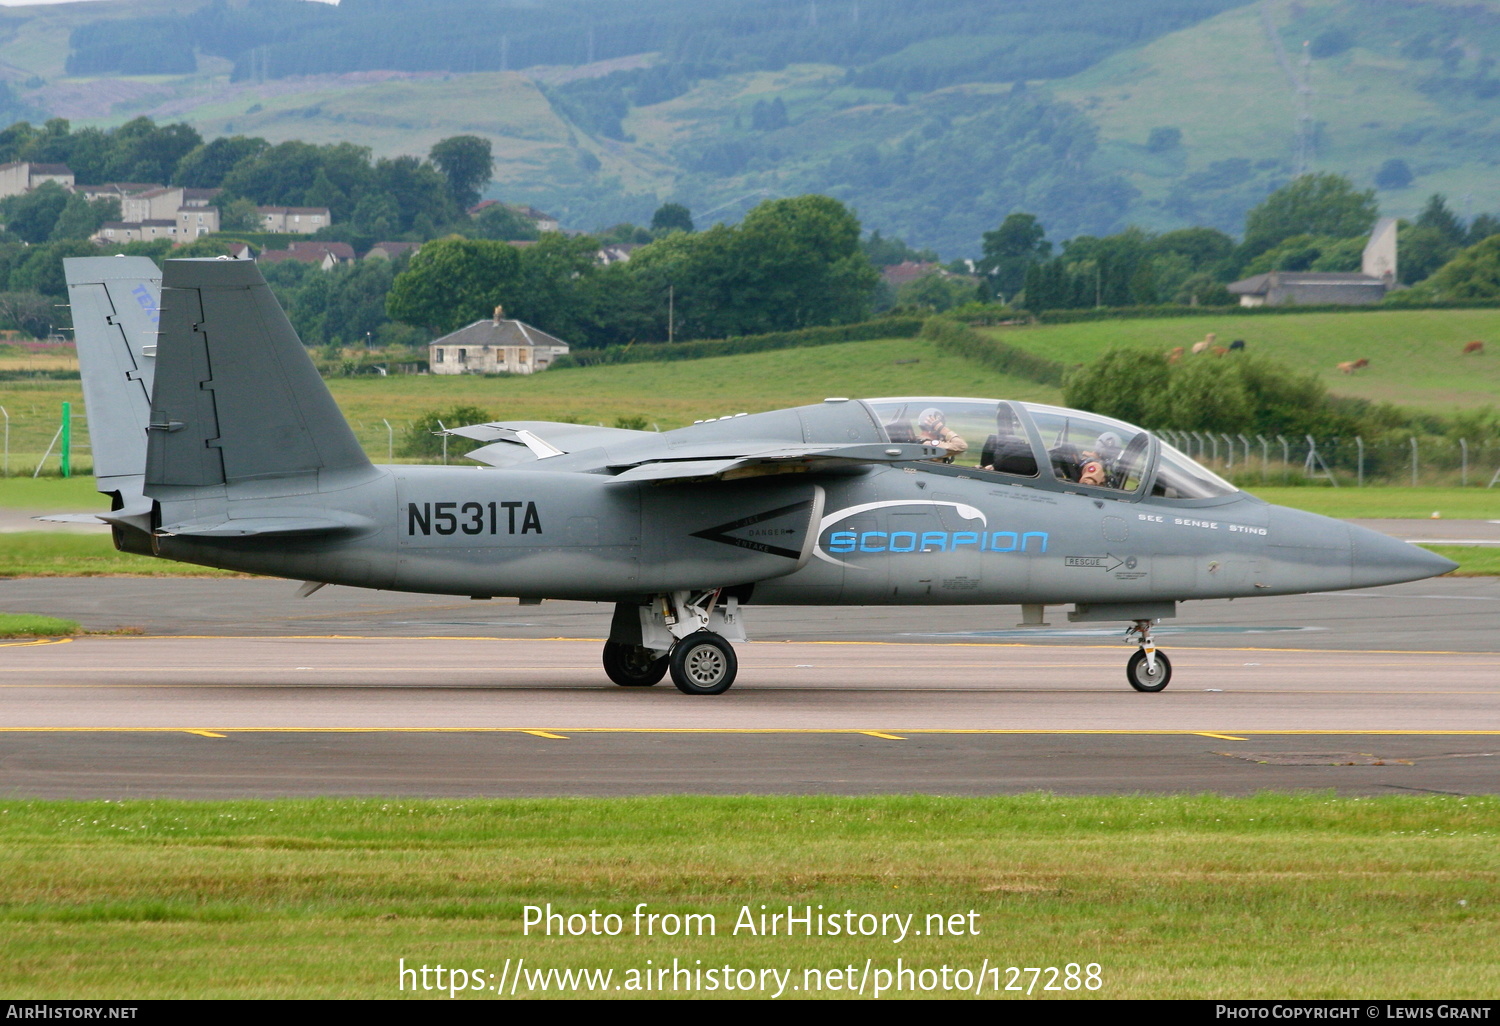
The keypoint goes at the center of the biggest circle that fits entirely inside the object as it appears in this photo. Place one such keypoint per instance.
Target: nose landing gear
(1148, 669)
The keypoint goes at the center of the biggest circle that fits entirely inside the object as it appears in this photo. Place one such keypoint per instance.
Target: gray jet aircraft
(219, 445)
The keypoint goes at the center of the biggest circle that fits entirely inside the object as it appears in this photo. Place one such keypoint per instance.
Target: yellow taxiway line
(1115, 645)
(894, 734)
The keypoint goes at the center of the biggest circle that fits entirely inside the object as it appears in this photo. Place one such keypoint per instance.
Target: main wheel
(1140, 676)
(631, 666)
(703, 664)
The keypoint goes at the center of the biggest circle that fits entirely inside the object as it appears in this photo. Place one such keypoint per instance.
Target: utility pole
(671, 313)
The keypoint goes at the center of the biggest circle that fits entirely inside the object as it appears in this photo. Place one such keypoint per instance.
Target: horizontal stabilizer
(524, 441)
(781, 460)
(220, 527)
(72, 518)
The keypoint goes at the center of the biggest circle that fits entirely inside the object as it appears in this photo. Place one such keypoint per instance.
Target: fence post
(1413, 461)
(1246, 441)
(6, 471)
(1286, 452)
(1230, 444)
(1463, 448)
(65, 451)
(1265, 456)
(390, 441)
(1360, 442)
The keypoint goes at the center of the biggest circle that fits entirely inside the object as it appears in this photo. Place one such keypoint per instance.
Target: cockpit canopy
(1048, 443)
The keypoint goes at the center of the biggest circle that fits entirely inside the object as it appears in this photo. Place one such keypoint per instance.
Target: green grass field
(1415, 356)
(1305, 896)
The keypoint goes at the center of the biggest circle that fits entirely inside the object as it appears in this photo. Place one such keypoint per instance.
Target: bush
(422, 439)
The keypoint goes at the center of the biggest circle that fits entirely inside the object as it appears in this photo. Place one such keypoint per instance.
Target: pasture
(1416, 356)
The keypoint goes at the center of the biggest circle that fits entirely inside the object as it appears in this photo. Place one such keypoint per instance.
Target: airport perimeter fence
(1342, 462)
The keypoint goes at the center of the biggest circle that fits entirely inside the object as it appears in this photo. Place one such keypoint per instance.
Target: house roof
(292, 210)
(395, 248)
(122, 188)
(491, 332)
(1260, 284)
(318, 250)
(51, 169)
(900, 274)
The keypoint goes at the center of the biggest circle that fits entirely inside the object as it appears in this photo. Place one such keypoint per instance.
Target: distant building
(494, 346)
(135, 231)
(194, 222)
(115, 190)
(296, 220)
(540, 221)
(326, 255)
(617, 252)
(1369, 285)
(391, 250)
(908, 271)
(22, 177)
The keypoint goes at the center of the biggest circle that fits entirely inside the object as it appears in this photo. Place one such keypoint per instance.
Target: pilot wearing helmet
(933, 429)
(1089, 466)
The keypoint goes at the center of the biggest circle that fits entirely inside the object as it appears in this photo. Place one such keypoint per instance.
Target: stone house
(494, 346)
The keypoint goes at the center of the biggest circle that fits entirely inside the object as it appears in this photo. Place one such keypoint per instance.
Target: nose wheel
(703, 664)
(1148, 669)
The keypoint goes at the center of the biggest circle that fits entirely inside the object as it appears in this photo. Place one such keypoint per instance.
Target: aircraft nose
(1380, 559)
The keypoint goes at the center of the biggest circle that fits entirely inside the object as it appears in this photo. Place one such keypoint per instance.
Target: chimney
(499, 315)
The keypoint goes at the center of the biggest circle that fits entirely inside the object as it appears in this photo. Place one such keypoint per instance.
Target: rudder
(236, 397)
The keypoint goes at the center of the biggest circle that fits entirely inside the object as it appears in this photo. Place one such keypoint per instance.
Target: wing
(784, 459)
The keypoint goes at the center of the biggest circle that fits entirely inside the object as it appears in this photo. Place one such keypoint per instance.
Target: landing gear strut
(686, 632)
(1148, 669)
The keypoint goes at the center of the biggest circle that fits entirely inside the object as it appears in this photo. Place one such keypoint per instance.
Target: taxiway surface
(235, 688)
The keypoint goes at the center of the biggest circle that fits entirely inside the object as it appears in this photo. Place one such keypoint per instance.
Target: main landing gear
(1148, 669)
(685, 632)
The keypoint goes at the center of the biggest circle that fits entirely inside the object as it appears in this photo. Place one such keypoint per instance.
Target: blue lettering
(864, 541)
(841, 541)
(995, 546)
(1034, 534)
(965, 538)
(907, 546)
(935, 540)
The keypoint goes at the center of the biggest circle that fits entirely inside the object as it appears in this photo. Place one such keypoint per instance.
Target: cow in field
(1473, 347)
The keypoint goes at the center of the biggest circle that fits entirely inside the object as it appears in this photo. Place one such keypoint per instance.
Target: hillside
(1408, 80)
(933, 124)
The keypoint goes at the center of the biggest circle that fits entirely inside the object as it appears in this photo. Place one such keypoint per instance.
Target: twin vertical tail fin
(236, 399)
(116, 306)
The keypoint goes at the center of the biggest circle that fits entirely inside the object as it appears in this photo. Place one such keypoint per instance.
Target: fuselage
(920, 532)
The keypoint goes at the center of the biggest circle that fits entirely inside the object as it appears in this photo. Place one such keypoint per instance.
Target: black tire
(1143, 680)
(703, 664)
(631, 666)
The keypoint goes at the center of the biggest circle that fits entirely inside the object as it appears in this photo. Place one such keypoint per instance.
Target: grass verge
(1472, 560)
(45, 554)
(25, 625)
(1174, 897)
(1398, 503)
